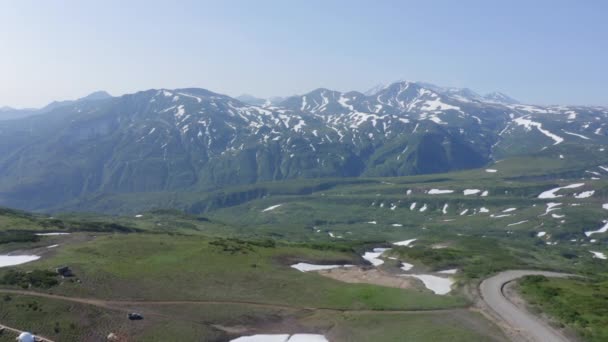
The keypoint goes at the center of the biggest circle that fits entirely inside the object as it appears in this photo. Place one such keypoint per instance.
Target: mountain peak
(97, 95)
(499, 97)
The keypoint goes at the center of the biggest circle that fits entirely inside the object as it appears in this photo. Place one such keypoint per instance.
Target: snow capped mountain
(185, 139)
(499, 97)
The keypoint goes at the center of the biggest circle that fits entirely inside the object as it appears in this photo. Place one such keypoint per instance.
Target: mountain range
(182, 140)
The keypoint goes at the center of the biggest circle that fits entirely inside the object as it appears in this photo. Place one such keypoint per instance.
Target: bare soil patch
(359, 275)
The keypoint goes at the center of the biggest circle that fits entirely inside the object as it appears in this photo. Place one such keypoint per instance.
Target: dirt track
(123, 305)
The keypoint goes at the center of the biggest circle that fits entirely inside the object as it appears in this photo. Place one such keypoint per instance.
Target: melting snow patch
(452, 271)
(605, 206)
(517, 223)
(413, 206)
(464, 212)
(397, 225)
(139, 215)
(406, 267)
(528, 124)
(585, 194)
(12, 260)
(445, 209)
(483, 210)
(576, 135)
(52, 234)
(551, 193)
(372, 222)
(598, 255)
(307, 338)
(557, 216)
(374, 256)
(262, 338)
(438, 285)
(508, 210)
(550, 207)
(541, 234)
(305, 267)
(272, 207)
(484, 194)
(405, 242)
(467, 192)
(491, 170)
(424, 207)
(52, 246)
(601, 230)
(439, 192)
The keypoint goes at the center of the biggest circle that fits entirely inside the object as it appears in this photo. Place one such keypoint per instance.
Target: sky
(541, 52)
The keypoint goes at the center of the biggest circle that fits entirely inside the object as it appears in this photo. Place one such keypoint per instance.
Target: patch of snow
(305, 267)
(12, 260)
(585, 194)
(406, 267)
(550, 207)
(541, 234)
(52, 246)
(601, 230)
(272, 207)
(445, 209)
(374, 256)
(451, 271)
(262, 338)
(576, 135)
(598, 255)
(424, 207)
(484, 194)
(517, 223)
(438, 285)
(439, 192)
(468, 192)
(508, 210)
(528, 124)
(397, 225)
(484, 210)
(307, 338)
(464, 212)
(52, 234)
(413, 206)
(491, 170)
(404, 243)
(551, 193)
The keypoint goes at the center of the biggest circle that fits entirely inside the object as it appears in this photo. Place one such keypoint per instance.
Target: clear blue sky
(537, 51)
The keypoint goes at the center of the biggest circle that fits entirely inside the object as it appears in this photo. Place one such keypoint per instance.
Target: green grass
(162, 267)
(579, 303)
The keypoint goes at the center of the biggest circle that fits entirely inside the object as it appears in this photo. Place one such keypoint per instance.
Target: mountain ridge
(193, 139)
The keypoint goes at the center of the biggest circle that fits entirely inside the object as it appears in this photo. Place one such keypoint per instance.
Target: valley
(236, 251)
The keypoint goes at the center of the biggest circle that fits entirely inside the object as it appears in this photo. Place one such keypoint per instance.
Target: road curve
(528, 325)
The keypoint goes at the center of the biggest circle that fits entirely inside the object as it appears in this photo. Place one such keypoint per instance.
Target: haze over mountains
(168, 140)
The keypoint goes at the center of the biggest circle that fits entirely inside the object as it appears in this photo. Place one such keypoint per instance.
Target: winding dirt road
(530, 327)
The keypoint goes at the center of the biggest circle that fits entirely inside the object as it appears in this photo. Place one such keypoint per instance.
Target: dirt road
(528, 326)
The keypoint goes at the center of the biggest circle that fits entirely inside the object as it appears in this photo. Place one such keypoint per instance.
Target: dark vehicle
(134, 316)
